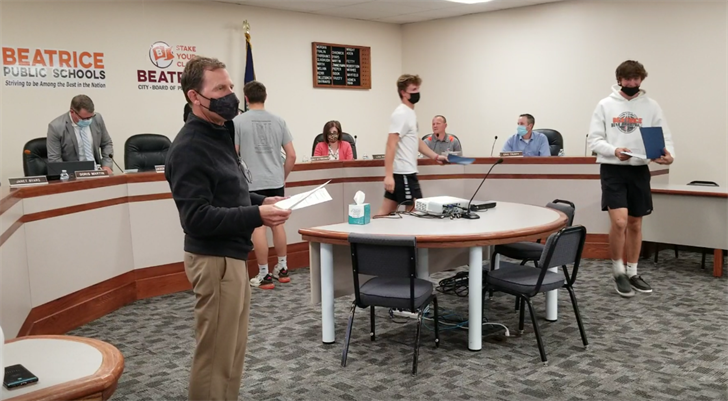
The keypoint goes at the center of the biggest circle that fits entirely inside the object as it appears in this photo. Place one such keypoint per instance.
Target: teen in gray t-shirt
(260, 136)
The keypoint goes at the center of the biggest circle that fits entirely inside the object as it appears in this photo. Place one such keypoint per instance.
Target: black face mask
(630, 91)
(414, 97)
(226, 106)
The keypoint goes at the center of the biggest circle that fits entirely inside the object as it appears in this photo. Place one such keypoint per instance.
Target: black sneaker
(639, 284)
(623, 286)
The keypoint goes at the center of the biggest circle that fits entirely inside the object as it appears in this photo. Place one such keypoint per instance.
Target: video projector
(445, 205)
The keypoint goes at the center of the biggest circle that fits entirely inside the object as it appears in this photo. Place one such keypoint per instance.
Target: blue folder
(451, 158)
(654, 142)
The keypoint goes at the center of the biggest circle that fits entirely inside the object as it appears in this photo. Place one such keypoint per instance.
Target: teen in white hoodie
(626, 192)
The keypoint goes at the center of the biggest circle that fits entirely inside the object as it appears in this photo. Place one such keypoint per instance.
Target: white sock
(617, 267)
(282, 262)
(631, 269)
(263, 269)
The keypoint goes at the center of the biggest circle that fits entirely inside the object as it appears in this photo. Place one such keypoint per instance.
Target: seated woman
(333, 146)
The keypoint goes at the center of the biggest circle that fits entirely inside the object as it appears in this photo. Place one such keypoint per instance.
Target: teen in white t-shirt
(403, 143)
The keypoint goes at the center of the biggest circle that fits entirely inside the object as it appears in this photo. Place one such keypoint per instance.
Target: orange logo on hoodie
(627, 122)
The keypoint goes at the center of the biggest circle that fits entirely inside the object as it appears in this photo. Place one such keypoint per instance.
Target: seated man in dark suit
(79, 134)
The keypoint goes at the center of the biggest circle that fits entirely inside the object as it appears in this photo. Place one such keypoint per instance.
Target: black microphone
(493, 147)
(112, 159)
(354, 139)
(586, 141)
(468, 214)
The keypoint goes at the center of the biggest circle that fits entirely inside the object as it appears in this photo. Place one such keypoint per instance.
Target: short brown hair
(631, 69)
(328, 125)
(405, 81)
(255, 92)
(82, 102)
(529, 118)
(194, 73)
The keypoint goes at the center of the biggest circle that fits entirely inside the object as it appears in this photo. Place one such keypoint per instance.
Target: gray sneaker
(639, 284)
(623, 286)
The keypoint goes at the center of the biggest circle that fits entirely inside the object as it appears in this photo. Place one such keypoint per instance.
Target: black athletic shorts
(626, 187)
(406, 189)
(270, 192)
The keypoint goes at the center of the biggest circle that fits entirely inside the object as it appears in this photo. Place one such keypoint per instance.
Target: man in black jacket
(209, 185)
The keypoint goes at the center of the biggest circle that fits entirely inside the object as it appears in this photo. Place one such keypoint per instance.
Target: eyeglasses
(245, 170)
(79, 116)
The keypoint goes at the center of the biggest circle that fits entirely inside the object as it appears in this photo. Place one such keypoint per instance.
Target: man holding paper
(614, 134)
(401, 185)
(218, 216)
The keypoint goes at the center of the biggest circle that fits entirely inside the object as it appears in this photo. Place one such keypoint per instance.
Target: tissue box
(360, 214)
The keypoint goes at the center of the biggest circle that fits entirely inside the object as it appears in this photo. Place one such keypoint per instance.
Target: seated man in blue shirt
(526, 140)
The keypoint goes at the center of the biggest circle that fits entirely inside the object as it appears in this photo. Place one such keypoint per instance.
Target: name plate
(28, 181)
(505, 154)
(377, 157)
(159, 169)
(91, 174)
(320, 159)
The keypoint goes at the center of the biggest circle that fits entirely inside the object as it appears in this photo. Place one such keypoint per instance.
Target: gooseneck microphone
(586, 142)
(469, 214)
(112, 159)
(493, 147)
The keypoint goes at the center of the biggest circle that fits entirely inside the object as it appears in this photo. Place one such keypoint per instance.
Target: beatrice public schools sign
(53, 68)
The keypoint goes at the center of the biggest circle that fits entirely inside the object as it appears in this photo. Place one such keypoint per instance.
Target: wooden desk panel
(700, 211)
(152, 256)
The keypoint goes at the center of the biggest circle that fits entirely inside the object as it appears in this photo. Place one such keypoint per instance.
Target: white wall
(556, 61)
(124, 31)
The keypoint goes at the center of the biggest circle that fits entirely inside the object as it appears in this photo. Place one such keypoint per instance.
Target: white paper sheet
(637, 155)
(306, 199)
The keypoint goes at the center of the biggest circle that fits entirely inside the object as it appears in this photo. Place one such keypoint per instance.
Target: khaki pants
(222, 307)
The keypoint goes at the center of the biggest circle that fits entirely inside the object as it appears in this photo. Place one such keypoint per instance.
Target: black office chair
(392, 260)
(532, 251)
(144, 151)
(187, 111)
(344, 137)
(562, 248)
(35, 157)
(556, 141)
(675, 247)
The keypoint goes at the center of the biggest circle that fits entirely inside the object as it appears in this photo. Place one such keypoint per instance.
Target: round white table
(506, 223)
(68, 368)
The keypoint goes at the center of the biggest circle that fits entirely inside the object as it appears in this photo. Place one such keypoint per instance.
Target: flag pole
(249, 68)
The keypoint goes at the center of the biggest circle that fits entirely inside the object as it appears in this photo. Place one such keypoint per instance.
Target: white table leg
(475, 299)
(552, 301)
(328, 328)
(423, 263)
